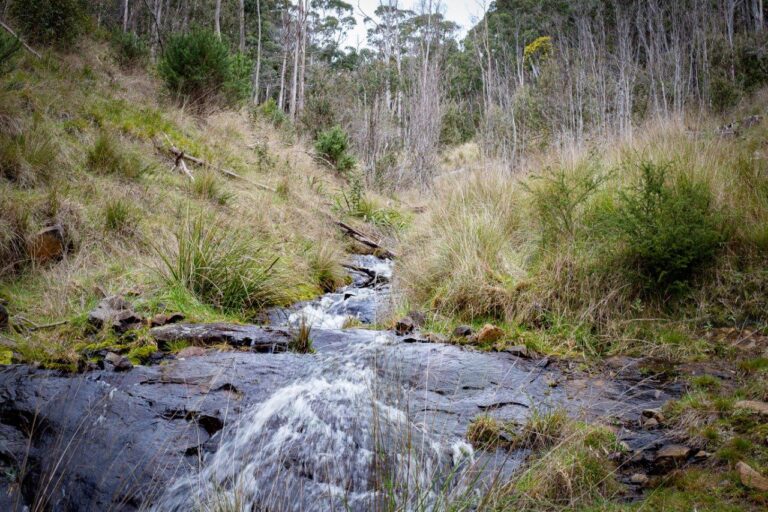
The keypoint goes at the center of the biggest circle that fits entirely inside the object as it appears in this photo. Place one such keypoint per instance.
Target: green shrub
(9, 47)
(333, 145)
(50, 21)
(559, 198)
(195, 65)
(222, 267)
(272, 113)
(237, 87)
(29, 157)
(206, 186)
(130, 50)
(669, 228)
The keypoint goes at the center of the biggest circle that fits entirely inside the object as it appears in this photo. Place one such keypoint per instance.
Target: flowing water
(370, 422)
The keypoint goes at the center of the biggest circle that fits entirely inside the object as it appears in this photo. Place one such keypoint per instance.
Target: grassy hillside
(637, 247)
(84, 146)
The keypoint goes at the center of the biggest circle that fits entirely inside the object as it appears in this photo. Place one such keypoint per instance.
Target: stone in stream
(118, 362)
(671, 456)
(462, 331)
(164, 319)
(518, 351)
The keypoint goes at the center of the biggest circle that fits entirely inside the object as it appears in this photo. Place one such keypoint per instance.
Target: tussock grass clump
(575, 472)
(118, 215)
(325, 269)
(302, 339)
(29, 157)
(208, 187)
(487, 433)
(224, 268)
(107, 156)
(14, 229)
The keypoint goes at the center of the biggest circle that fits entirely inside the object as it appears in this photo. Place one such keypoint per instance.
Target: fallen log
(179, 165)
(20, 40)
(365, 240)
(181, 156)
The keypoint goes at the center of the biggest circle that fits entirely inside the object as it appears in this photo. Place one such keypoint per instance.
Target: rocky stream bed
(276, 430)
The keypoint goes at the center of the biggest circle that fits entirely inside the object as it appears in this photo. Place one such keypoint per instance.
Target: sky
(463, 13)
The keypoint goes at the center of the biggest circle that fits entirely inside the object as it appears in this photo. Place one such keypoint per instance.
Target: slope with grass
(85, 150)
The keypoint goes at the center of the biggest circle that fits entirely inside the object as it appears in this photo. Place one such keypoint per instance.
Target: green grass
(226, 270)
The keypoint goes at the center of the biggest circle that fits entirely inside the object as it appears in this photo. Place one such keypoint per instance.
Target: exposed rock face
(751, 478)
(258, 339)
(110, 440)
(47, 245)
(116, 313)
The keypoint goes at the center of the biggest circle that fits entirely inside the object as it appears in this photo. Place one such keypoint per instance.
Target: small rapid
(375, 421)
(331, 439)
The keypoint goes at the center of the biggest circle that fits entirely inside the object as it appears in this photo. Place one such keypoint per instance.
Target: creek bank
(304, 426)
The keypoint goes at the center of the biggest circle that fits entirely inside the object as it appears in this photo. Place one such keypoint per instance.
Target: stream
(369, 421)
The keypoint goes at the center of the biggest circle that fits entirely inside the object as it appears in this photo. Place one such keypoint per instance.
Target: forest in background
(527, 76)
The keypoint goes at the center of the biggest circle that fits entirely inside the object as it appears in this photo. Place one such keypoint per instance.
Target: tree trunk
(241, 15)
(257, 74)
(217, 19)
(125, 15)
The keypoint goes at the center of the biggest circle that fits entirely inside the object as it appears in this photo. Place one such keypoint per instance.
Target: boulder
(164, 319)
(671, 455)
(653, 414)
(639, 479)
(462, 331)
(751, 478)
(47, 245)
(404, 326)
(118, 362)
(649, 423)
(489, 333)
(754, 406)
(116, 313)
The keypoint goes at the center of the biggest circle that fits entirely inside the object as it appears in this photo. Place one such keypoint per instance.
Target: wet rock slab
(115, 441)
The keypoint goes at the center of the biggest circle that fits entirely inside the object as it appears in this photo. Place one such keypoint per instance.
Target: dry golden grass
(487, 247)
